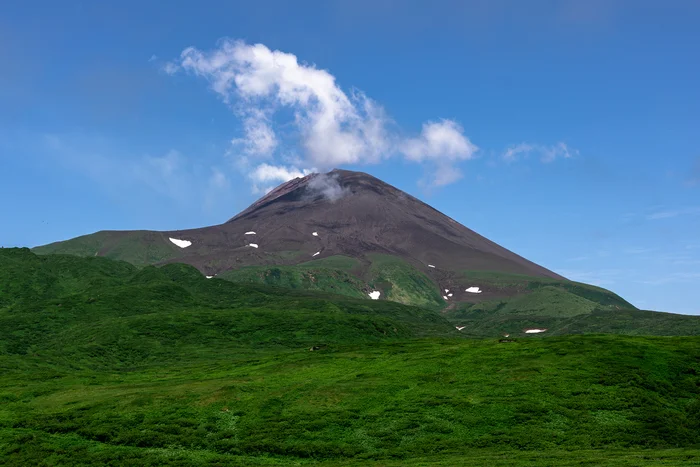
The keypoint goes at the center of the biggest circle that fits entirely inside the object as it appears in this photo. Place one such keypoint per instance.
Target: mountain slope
(321, 215)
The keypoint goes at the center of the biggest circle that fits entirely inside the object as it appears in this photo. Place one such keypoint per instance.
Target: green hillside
(397, 280)
(392, 276)
(106, 363)
(140, 248)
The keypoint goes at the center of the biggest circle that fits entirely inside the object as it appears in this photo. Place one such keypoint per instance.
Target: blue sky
(566, 131)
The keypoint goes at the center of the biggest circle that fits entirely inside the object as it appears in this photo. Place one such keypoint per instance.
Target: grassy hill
(140, 248)
(395, 278)
(106, 363)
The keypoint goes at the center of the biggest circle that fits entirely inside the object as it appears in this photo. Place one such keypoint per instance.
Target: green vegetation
(397, 280)
(106, 363)
(401, 282)
(561, 307)
(327, 275)
(139, 248)
(518, 283)
(343, 263)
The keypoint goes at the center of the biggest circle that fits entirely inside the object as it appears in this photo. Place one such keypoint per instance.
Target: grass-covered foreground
(103, 363)
(455, 401)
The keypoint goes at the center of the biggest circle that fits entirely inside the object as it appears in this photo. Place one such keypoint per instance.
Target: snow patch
(431, 266)
(459, 328)
(473, 290)
(449, 294)
(180, 243)
(445, 297)
(315, 234)
(317, 253)
(250, 233)
(208, 277)
(374, 295)
(254, 245)
(447, 290)
(534, 331)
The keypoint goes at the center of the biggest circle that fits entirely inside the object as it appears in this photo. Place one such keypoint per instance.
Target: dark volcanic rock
(353, 214)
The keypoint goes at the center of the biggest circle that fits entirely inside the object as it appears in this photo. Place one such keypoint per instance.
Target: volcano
(320, 215)
(337, 214)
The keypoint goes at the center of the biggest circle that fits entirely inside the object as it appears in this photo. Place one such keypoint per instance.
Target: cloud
(260, 139)
(218, 179)
(673, 278)
(119, 172)
(667, 214)
(170, 68)
(639, 251)
(579, 258)
(327, 186)
(546, 153)
(439, 140)
(331, 128)
(443, 142)
(601, 278)
(266, 176)
(153, 58)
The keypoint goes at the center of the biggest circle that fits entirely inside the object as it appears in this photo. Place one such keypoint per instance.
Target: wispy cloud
(332, 127)
(602, 277)
(579, 258)
(639, 251)
(670, 213)
(171, 175)
(546, 153)
(674, 277)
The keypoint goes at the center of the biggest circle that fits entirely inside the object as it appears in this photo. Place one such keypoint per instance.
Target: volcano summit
(339, 213)
(348, 230)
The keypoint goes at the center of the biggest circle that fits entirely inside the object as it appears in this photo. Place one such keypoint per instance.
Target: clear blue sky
(565, 130)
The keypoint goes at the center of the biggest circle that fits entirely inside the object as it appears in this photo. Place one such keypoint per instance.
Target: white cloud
(266, 176)
(274, 173)
(260, 139)
(547, 153)
(443, 140)
(443, 143)
(170, 68)
(443, 174)
(332, 128)
(327, 185)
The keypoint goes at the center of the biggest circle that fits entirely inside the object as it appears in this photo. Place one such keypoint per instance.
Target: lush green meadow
(104, 363)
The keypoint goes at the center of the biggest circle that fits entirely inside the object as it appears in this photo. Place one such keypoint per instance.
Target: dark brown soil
(354, 214)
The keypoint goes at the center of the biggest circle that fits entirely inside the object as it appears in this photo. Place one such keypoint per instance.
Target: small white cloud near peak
(546, 153)
(266, 174)
(443, 140)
